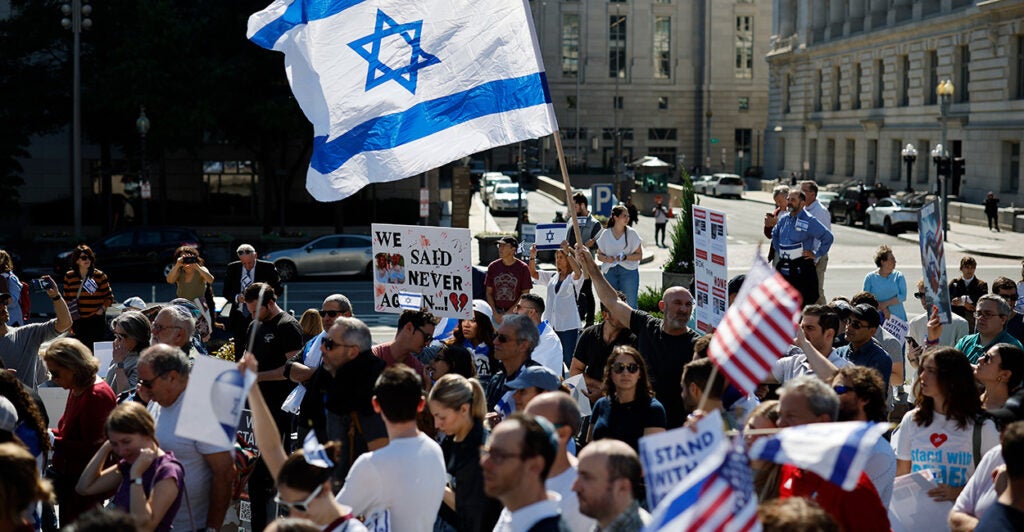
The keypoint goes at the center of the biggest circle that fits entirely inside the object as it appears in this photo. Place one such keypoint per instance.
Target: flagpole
(568, 187)
(707, 387)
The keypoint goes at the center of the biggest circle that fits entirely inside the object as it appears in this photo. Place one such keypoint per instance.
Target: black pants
(801, 274)
(91, 329)
(586, 301)
(261, 484)
(659, 228)
(993, 222)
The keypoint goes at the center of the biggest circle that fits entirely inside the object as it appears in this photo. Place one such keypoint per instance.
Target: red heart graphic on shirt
(938, 439)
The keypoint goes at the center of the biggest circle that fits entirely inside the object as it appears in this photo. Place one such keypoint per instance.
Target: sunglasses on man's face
(501, 338)
(331, 313)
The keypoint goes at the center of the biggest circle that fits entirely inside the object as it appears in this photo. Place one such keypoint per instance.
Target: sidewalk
(964, 239)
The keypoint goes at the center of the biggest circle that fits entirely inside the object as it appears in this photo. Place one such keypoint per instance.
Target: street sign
(601, 199)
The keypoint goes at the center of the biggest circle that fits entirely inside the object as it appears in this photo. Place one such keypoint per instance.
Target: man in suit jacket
(241, 273)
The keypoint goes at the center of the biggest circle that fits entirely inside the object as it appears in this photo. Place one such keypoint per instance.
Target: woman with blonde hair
(311, 324)
(80, 431)
(147, 482)
(20, 488)
(459, 406)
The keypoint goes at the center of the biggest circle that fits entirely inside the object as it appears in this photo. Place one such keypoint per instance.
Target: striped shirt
(96, 292)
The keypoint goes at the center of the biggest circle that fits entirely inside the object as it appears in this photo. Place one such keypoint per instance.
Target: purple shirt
(165, 466)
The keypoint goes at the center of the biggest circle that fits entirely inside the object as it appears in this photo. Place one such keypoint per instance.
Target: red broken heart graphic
(459, 301)
(938, 439)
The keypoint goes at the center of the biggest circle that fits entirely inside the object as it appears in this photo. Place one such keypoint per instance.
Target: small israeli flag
(550, 236)
(506, 405)
(314, 452)
(410, 300)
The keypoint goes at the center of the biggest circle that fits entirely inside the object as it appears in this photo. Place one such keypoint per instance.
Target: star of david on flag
(395, 88)
(410, 300)
(550, 236)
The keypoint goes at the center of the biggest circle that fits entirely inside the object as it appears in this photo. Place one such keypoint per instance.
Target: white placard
(433, 261)
(214, 398)
(711, 275)
(55, 400)
(104, 353)
(669, 456)
(912, 506)
(896, 327)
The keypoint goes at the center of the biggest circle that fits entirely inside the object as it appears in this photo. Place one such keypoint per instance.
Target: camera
(189, 259)
(40, 285)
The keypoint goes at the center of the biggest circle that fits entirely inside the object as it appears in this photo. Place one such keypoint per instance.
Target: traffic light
(958, 166)
(942, 164)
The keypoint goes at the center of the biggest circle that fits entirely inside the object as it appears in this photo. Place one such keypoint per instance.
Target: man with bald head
(666, 344)
(561, 410)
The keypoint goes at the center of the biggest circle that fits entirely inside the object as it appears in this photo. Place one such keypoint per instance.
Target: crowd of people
(523, 417)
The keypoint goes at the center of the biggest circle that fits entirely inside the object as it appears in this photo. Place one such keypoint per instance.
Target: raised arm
(618, 309)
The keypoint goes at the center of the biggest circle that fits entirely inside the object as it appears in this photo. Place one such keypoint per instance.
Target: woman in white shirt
(560, 310)
(620, 248)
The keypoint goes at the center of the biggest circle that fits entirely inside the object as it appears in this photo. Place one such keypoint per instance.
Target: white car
(488, 181)
(825, 197)
(892, 216)
(722, 185)
(700, 184)
(505, 198)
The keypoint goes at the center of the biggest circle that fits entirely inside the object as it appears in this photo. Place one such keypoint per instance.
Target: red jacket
(860, 509)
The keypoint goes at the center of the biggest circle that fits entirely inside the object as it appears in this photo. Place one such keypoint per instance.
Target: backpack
(25, 301)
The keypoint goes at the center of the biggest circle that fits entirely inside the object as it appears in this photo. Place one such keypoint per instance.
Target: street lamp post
(142, 125)
(76, 18)
(944, 91)
(909, 156)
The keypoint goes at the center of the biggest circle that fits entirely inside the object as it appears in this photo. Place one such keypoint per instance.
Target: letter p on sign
(602, 199)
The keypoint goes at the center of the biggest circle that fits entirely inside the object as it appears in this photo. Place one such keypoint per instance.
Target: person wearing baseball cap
(863, 350)
(19, 346)
(507, 278)
(531, 382)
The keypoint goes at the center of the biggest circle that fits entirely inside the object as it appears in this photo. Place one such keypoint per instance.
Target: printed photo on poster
(933, 259)
(710, 270)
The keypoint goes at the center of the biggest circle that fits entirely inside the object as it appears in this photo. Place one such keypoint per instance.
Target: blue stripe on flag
(847, 453)
(427, 118)
(772, 448)
(298, 13)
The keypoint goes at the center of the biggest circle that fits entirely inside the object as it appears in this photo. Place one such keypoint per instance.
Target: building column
(855, 20)
(787, 18)
(819, 19)
(836, 18)
(879, 14)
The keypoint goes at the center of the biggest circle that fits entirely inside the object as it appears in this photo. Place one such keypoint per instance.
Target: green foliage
(681, 255)
(647, 300)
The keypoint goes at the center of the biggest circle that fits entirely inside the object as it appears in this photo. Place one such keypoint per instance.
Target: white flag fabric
(314, 453)
(410, 301)
(394, 88)
(836, 452)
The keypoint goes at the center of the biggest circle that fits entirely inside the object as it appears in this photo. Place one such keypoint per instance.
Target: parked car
(143, 253)
(327, 255)
(825, 197)
(892, 216)
(725, 185)
(700, 184)
(504, 198)
(852, 203)
(488, 181)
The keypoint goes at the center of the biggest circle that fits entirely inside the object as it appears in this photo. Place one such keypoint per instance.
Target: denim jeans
(568, 339)
(625, 280)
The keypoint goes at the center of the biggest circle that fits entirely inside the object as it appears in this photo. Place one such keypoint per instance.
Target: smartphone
(40, 285)
(913, 343)
(189, 259)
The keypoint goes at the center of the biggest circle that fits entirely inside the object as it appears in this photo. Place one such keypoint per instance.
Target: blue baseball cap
(535, 376)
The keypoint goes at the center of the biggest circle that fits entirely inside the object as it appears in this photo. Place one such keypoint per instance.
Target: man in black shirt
(595, 346)
(666, 344)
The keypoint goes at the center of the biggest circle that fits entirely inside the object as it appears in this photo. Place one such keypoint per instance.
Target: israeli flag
(837, 452)
(549, 237)
(410, 300)
(395, 88)
(314, 453)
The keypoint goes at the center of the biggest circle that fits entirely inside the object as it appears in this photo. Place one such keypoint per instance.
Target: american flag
(757, 328)
(717, 496)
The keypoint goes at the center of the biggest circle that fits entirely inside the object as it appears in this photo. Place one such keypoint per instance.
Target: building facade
(683, 80)
(854, 81)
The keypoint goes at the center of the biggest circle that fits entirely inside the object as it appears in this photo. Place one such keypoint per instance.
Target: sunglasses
(331, 313)
(328, 343)
(501, 338)
(148, 384)
(619, 367)
(301, 506)
(840, 389)
(985, 359)
(856, 325)
(919, 295)
(244, 253)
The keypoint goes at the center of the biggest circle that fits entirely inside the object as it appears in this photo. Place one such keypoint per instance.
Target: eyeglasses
(329, 344)
(501, 338)
(301, 506)
(426, 336)
(157, 327)
(1009, 297)
(985, 358)
(245, 252)
(331, 313)
(987, 314)
(83, 257)
(148, 384)
(619, 367)
(496, 456)
(840, 389)
(919, 295)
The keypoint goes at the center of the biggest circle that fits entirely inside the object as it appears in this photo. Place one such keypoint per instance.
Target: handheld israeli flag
(410, 301)
(314, 453)
(549, 237)
(395, 88)
(837, 452)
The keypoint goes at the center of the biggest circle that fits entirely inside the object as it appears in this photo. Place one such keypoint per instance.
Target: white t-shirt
(570, 503)
(406, 477)
(941, 447)
(628, 244)
(560, 303)
(980, 492)
(795, 365)
(548, 352)
(190, 453)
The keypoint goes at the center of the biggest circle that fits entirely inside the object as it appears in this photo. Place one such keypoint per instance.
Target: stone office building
(853, 81)
(684, 80)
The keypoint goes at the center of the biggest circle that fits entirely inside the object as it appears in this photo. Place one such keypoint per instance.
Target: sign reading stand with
(417, 259)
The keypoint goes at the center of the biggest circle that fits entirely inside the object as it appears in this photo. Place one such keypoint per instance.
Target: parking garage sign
(601, 197)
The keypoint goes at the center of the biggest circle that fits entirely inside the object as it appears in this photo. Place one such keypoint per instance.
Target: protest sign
(55, 400)
(896, 327)
(669, 456)
(911, 506)
(527, 237)
(215, 398)
(711, 276)
(933, 259)
(432, 261)
(104, 353)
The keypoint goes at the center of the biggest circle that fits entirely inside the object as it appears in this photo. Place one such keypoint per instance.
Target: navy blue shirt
(870, 355)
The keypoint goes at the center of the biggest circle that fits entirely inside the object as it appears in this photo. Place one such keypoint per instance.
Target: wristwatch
(119, 365)
(137, 481)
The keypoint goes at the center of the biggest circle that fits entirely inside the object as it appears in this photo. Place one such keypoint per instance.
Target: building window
(662, 102)
(879, 96)
(571, 133)
(662, 47)
(896, 160)
(837, 81)
(617, 46)
(570, 44)
(661, 133)
(744, 103)
(1013, 176)
(570, 102)
(963, 74)
(1017, 91)
(904, 88)
(830, 156)
(608, 133)
(745, 47)
(851, 150)
(932, 79)
(855, 86)
(817, 91)
(617, 102)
